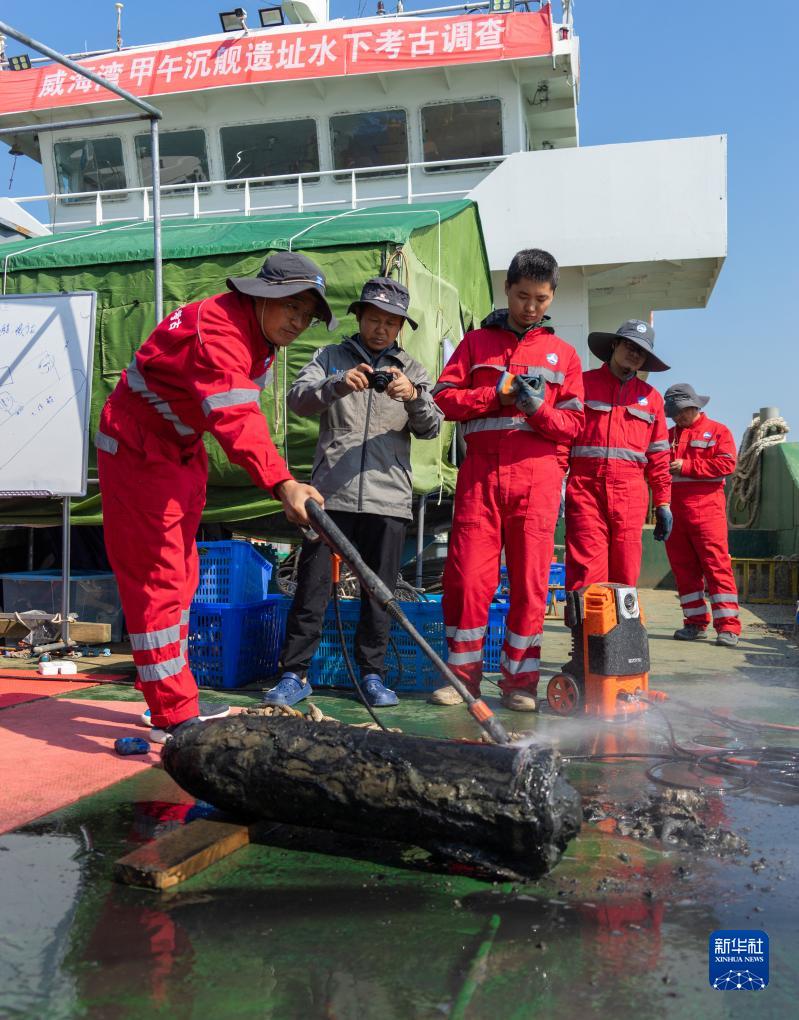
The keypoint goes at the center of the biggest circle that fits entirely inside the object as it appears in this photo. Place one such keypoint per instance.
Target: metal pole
(65, 571)
(157, 261)
(420, 539)
(58, 125)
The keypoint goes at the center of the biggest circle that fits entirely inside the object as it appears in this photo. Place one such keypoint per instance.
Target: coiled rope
(746, 479)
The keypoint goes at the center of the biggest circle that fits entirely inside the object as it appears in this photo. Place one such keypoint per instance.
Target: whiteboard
(46, 350)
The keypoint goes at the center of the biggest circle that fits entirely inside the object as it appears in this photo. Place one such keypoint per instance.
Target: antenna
(119, 24)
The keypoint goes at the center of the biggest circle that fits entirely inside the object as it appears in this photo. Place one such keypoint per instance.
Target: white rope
(746, 479)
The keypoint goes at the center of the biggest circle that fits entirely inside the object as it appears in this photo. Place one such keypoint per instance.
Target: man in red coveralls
(623, 446)
(703, 454)
(517, 388)
(201, 370)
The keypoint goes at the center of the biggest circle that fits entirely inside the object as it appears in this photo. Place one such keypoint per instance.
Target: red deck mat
(15, 690)
(55, 751)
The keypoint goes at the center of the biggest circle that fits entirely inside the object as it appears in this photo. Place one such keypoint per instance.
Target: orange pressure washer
(608, 675)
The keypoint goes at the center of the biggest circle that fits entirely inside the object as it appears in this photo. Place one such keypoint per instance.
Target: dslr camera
(379, 380)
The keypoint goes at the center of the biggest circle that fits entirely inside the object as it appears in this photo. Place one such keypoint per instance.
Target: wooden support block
(90, 633)
(179, 854)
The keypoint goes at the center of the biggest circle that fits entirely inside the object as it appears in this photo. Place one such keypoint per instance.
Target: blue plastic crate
(557, 575)
(230, 646)
(232, 573)
(418, 673)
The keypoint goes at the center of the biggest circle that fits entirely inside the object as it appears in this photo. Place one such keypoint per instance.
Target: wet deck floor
(310, 926)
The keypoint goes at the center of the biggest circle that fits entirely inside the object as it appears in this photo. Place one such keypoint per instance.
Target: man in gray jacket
(371, 397)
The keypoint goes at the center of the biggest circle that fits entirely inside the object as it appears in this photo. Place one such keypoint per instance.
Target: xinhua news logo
(738, 960)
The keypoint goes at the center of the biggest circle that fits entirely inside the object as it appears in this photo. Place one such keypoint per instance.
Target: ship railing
(253, 189)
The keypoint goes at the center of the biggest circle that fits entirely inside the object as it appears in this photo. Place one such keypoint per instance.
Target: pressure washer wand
(333, 536)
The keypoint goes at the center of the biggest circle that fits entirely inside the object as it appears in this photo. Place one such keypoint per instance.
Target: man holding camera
(371, 397)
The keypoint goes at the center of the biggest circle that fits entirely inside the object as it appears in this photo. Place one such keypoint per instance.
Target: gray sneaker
(727, 638)
(690, 633)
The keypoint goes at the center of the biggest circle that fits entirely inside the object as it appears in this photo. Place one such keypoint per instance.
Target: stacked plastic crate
(235, 630)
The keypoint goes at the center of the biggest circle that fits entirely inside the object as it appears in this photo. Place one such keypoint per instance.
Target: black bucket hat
(283, 274)
(637, 332)
(682, 395)
(387, 295)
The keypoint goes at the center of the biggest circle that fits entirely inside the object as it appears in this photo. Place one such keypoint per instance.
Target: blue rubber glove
(665, 522)
(530, 390)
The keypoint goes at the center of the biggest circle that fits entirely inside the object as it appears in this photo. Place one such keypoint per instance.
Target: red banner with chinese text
(295, 53)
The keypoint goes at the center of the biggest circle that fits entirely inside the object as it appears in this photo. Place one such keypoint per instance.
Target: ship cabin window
(91, 164)
(375, 138)
(271, 150)
(182, 157)
(461, 130)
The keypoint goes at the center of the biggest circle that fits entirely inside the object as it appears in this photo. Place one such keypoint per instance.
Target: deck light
(270, 17)
(21, 62)
(234, 21)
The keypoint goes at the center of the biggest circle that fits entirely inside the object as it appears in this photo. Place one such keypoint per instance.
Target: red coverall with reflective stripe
(508, 492)
(698, 549)
(201, 370)
(623, 446)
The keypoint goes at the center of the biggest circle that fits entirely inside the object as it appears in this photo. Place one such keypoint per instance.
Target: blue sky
(649, 70)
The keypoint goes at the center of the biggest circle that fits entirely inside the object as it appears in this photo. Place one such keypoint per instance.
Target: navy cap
(682, 395)
(283, 274)
(636, 331)
(387, 295)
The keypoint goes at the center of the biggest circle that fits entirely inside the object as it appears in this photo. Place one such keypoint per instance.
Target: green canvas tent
(435, 249)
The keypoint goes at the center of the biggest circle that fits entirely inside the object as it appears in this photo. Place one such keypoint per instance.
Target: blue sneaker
(376, 694)
(287, 691)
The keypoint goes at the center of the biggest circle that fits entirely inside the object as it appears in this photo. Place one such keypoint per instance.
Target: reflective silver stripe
(184, 646)
(692, 597)
(529, 665)
(730, 456)
(725, 596)
(185, 615)
(138, 385)
(518, 422)
(702, 611)
(521, 641)
(106, 443)
(155, 638)
(702, 443)
(499, 368)
(547, 373)
(679, 478)
(597, 405)
(718, 614)
(658, 446)
(609, 453)
(230, 398)
(465, 633)
(636, 412)
(462, 658)
(570, 405)
(443, 386)
(160, 670)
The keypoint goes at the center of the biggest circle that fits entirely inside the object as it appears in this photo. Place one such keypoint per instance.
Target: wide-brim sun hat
(387, 295)
(283, 274)
(637, 332)
(682, 395)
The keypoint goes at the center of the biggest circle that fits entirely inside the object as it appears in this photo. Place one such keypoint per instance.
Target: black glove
(530, 390)
(665, 522)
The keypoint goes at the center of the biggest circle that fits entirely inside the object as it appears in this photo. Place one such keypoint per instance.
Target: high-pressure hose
(371, 584)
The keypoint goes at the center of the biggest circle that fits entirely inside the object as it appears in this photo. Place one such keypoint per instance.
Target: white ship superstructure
(325, 115)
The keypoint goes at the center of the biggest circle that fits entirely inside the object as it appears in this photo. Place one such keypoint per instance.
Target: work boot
(208, 710)
(287, 691)
(728, 638)
(518, 701)
(690, 633)
(446, 696)
(376, 693)
(159, 735)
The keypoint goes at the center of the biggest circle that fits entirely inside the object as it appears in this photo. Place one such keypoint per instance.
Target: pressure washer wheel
(563, 694)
